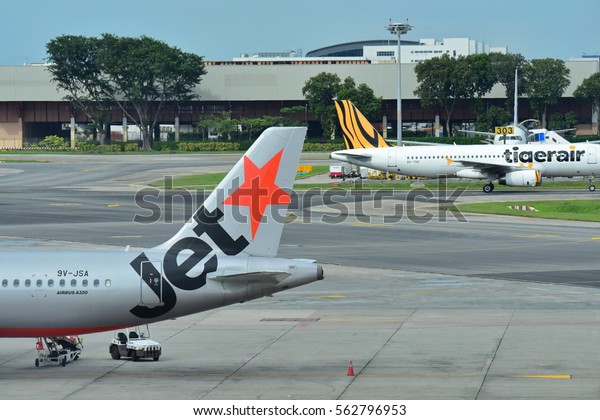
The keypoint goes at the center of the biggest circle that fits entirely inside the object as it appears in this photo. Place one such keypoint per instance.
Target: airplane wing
(479, 133)
(488, 167)
(564, 130)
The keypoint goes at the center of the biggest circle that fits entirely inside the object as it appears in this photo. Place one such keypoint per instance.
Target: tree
(546, 81)
(362, 96)
(204, 126)
(225, 126)
(322, 89)
(320, 92)
(443, 81)
(589, 92)
(503, 66)
(493, 117)
(146, 74)
(140, 73)
(75, 69)
(480, 77)
(287, 114)
(253, 126)
(561, 122)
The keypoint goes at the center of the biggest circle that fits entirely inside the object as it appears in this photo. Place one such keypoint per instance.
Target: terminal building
(251, 87)
(410, 51)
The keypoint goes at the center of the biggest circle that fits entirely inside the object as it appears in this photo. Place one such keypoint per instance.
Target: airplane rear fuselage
(102, 291)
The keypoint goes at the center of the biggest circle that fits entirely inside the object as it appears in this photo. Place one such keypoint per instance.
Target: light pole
(399, 29)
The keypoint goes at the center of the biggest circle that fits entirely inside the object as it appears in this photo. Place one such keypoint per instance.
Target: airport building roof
(355, 48)
(271, 80)
(411, 51)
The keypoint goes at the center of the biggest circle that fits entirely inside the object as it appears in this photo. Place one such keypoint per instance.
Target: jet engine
(525, 178)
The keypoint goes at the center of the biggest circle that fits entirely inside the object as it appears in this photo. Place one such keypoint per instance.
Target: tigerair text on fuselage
(514, 155)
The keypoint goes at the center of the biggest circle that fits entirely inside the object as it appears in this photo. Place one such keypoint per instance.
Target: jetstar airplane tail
(223, 255)
(357, 130)
(247, 209)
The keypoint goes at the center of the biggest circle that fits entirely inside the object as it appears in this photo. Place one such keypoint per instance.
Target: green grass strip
(583, 210)
(202, 181)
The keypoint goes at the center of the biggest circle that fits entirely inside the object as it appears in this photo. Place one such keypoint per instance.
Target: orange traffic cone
(350, 369)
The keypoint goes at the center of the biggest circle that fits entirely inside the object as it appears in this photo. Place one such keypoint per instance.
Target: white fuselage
(55, 293)
(479, 161)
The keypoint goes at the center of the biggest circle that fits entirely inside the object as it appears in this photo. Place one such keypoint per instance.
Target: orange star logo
(259, 190)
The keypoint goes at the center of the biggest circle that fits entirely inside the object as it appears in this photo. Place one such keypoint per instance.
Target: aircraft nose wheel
(488, 188)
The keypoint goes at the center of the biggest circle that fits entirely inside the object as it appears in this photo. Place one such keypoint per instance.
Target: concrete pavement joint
(487, 371)
(376, 353)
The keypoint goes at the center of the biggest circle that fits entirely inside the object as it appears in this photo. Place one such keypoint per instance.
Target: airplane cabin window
(38, 283)
(96, 283)
(50, 283)
(62, 283)
(16, 283)
(84, 283)
(73, 283)
(4, 283)
(27, 283)
(107, 283)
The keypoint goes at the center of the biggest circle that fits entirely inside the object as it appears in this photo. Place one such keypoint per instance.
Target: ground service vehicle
(134, 343)
(57, 350)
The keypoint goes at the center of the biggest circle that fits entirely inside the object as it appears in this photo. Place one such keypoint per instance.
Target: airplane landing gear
(488, 188)
(591, 185)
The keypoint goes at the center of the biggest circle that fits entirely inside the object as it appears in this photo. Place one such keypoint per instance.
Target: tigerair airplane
(517, 165)
(224, 254)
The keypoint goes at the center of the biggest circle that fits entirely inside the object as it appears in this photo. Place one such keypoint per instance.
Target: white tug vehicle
(134, 343)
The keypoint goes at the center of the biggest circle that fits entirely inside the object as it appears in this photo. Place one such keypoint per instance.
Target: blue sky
(223, 29)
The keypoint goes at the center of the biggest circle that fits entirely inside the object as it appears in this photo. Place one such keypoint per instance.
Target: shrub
(209, 146)
(87, 146)
(165, 145)
(322, 147)
(115, 147)
(131, 146)
(53, 142)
